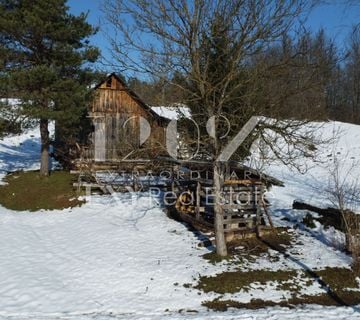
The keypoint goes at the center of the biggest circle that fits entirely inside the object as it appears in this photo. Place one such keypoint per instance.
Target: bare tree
(212, 45)
(343, 190)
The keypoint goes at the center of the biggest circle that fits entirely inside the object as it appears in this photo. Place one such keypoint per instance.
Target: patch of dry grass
(29, 191)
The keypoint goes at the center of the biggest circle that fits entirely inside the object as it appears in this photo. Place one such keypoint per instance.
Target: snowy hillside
(310, 187)
(123, 258)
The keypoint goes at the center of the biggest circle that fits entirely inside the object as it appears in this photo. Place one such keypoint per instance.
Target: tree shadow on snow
(19, 157)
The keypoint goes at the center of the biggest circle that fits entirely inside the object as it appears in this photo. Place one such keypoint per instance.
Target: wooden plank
(197, 208)
(268, 214)
(239, 206)
(238, 220)
(243, 188)
(239, 229)
(191, 219)
(235, 196)
(242, 181)
(87, 185)
(243, 197)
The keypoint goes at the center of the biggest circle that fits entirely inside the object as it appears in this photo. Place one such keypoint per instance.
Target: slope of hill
(121, 257)
(342, 154)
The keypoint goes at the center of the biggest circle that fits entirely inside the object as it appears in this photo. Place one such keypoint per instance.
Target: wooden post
(258, 222)
(221, 248)
(258, 212)
(135, 184)
(79, 183)
(173, 182)
(197, 209)
(267, 214)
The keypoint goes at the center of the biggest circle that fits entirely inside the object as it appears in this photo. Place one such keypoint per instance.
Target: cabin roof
(173, 112)
(135, 96)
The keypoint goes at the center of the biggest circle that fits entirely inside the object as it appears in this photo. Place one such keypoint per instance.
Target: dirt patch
(338, 278)
(250, 248)
(308, 221)
(341, 287)
(278, 239)
(232, 282)
(346, 299)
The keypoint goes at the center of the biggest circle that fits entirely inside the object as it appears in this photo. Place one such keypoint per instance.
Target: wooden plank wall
(114, 106)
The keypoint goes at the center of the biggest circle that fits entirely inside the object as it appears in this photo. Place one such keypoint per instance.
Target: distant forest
(311, 77)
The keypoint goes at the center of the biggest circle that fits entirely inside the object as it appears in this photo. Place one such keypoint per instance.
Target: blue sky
(336, 19)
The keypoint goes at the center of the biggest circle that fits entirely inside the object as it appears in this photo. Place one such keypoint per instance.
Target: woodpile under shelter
(244, 203)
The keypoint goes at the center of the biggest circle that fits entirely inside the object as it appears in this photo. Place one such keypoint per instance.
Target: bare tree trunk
(347, 230)
(221, 249)
(45, 145)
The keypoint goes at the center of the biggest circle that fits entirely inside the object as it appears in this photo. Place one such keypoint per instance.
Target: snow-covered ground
(310, 187)
(123, 258)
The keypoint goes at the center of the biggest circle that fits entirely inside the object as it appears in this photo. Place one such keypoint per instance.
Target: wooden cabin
(124, 126)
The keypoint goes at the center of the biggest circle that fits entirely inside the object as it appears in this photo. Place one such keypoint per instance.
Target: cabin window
(109, 82)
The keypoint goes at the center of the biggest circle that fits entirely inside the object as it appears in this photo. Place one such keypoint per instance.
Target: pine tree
(44, 61)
